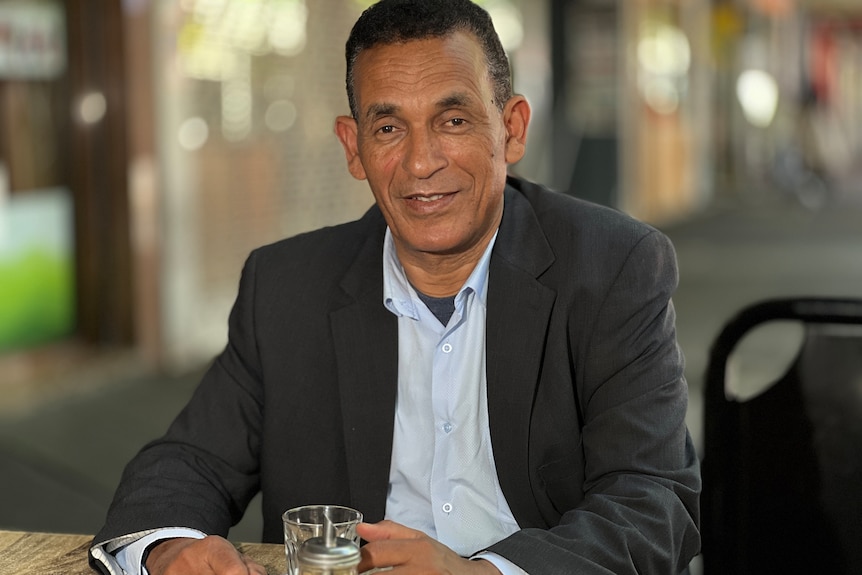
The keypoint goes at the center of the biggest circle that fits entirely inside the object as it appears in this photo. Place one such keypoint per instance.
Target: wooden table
(26, 553)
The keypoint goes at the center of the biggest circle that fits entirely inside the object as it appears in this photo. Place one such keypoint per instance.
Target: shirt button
(447, 427)
(447, 508)
(447, 347)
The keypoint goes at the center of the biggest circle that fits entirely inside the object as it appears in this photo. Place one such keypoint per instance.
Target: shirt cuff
(505, 566)
(122, 555)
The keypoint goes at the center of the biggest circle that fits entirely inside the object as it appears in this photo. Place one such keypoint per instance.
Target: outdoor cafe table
(27, 553)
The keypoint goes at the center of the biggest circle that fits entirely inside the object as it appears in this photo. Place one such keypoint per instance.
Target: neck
(437, 277)
(440, 275)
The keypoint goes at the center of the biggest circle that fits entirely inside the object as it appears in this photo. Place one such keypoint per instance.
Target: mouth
(427, 199)
(430, 202)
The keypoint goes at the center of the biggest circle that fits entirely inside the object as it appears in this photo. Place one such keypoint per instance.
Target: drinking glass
(305, 522)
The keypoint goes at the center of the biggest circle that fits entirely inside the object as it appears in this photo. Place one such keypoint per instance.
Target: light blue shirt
(454, 496)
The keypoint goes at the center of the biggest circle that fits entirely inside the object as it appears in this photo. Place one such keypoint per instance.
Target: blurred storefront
(246, 94)
(632, 96)
(789, 75)
(146, 146)
(64, 245)
(36, 239)
(174, 137)
(665, 109)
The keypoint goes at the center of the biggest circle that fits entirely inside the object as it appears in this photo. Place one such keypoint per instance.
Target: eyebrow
(456, 100)
(379, 110)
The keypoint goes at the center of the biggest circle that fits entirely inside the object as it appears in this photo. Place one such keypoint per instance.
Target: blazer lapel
(365, 336)
(519, 309)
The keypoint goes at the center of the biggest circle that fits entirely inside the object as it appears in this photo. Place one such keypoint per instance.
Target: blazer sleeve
(204, 471)
(640, 509)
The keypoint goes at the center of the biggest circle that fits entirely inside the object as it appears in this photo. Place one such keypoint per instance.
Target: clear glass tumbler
(303, 523)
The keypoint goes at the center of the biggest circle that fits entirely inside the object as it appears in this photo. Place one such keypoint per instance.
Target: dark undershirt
(441, 307)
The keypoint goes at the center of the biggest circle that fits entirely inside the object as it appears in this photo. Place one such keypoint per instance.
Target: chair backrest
(782, 471)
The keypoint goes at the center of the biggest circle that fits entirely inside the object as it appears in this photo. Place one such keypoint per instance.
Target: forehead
(421, 70)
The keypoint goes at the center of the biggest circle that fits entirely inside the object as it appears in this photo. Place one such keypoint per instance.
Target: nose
(424, 154)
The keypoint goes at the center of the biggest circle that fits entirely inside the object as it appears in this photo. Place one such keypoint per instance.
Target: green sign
(37, 281)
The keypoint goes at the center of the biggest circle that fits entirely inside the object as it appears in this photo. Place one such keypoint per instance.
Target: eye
(457, 121)
(388, 129)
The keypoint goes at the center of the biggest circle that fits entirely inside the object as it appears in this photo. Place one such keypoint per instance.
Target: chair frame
(722, 421)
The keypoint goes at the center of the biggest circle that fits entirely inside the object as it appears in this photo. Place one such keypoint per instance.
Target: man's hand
(208, 556)
(409, 551)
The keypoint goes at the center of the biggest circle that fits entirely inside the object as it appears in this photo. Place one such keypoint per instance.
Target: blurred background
(146, 146)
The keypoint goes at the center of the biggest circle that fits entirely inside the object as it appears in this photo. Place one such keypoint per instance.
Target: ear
(516, 116)
(347, 132)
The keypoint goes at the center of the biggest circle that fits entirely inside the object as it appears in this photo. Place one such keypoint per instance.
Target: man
(488, 365)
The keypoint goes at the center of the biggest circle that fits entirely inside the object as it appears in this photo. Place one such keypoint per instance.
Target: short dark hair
(399, 21)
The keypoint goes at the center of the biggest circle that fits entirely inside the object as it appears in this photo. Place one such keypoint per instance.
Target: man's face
(432, 144)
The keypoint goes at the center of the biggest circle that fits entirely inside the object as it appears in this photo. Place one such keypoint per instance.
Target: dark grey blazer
(586, 395)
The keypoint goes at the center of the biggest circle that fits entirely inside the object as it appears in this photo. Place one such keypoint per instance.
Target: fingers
(394, 552)
(224, 559)
(395, 546)
(386, 530)
(208, 556)
(408, 551)
(253, 567)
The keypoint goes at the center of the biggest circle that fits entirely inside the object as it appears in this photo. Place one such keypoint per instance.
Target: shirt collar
(400, 297)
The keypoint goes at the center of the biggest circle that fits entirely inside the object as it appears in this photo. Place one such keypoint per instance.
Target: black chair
(782, 471)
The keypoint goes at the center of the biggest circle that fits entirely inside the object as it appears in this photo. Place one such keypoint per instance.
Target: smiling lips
(433, 198)
(431, 203)
(430, 197)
